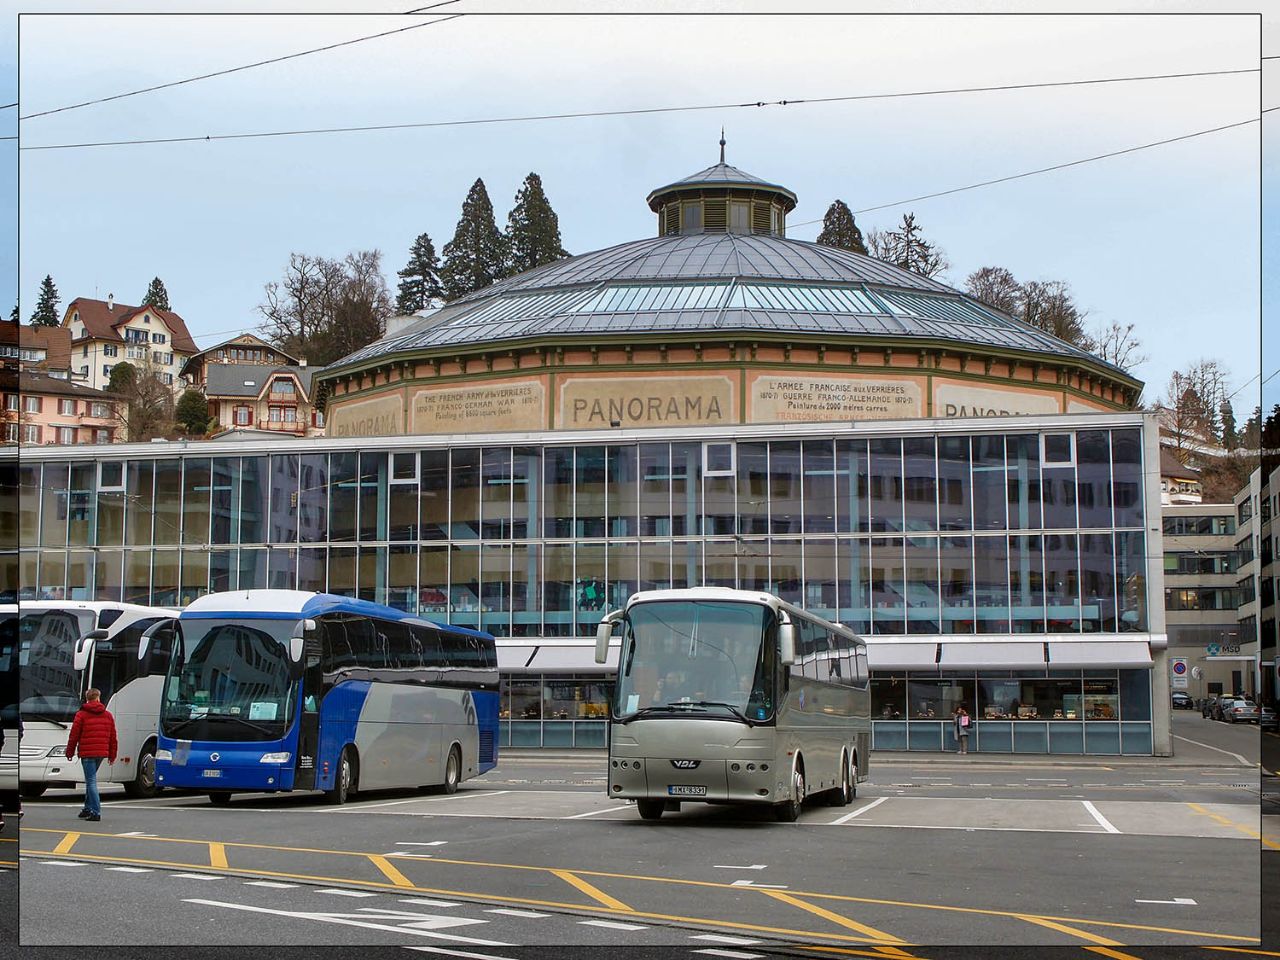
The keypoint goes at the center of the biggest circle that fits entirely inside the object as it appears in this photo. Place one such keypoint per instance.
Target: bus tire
(344, 779)
(32, 791)
(144, 784)
(788, 811)
(452, 770)
(842, 794)
(651, 809)
(220, 798)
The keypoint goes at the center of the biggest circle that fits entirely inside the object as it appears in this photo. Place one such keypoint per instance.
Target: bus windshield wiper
(675, 707)
(35, 715)
(186, 722)
(728, 706)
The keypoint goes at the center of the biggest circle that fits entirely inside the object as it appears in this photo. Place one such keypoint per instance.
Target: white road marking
(425, 843)
(135, 833)
(592, 813)
(63, 863)
(1247, 763)
(754, 866)
(1046, 779)
(721, 938)
(1183, 901)
(612, 925)
(759, 886)
(732, 954)
(423, 901)
(131, 869)
(350, 921)
(1102, 821)
(198, 876)
(1164, 781)
(418, 921)
(518, 913)
(406, 855)
(460, 953)
(860, 811)
(358, 807)
(348, 893)
(271, 885)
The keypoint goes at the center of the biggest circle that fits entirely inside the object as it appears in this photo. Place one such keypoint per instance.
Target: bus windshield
(699, 657)
(229, 680)
(49, 686)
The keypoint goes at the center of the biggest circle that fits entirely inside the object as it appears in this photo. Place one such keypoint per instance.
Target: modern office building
(1257, 507)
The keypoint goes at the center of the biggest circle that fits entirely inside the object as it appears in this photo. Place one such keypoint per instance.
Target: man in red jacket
(94, 732)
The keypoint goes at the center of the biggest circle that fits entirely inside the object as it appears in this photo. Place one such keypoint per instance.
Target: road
(1083, 852)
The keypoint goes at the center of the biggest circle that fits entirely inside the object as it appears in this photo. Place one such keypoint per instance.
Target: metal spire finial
(722, 144)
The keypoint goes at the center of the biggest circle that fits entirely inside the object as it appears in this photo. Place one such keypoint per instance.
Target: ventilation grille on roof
(760, 217)
(672, 214)
(714, 216)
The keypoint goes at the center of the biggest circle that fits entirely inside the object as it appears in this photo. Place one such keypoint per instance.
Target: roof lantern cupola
(722, 199)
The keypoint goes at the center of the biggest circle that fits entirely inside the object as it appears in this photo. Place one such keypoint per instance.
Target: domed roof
(721, 175)
(717, 283)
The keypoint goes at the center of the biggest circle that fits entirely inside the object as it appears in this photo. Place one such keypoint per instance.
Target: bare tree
(144, 405)
(996, 287)
(1048, 306)
(1117, 344)
(907, 248)
(1191, 405)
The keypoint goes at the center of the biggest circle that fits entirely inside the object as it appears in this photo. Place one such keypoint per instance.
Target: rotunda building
(720, 319)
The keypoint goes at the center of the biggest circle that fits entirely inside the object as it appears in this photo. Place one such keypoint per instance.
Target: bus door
(304, 776)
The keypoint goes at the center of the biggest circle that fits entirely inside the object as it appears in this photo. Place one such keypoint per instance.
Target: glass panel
(137, 576)
(495, 493)
(589, 589)
(433, 581)
(526, 473)
(164, 578)
(526, 598)
(434, 477)
(854, 558)
(819, 486)
(525, 699)
(920, 485)
(168, 508)
(464, 585)
(372, 574)
(1126, 467)
(851, 486)
(655, 490)
(719, 504)
(884, 477)
(1101, 698)
(623, 573)
(284, 499)
(686, 488)
(343, 496)
(1062, 583)
(889, 697)
(139, 480)
(991, 583)
(557, 590)
(29, 498)
(786, 577)
(402, 505)
(887, 586)
(590, 474)
(80, 575)
(253, 570)
(821, 579)
(929, 698)
(342, 571)
(464, 517)
(54, 501)
(1024, 483)
(53, 575)
(558, 492)
(225, 499)
(1131, 581)
(753, 564)
(1098, 582)
(282, 570)
(1135, 695)
(956, 584)
(622, 492)
(720, 566)
(313, 498)
(254, 504)
(495, 589)
(686, 563)
(1093, 477)
(1026, 584)
(1059, 497)
(82, 514)
(955, 508)
(373, 496)
(990, 502)
(655, 565)
(753, 488)
(108, 581)
(312, 569)
(196, 489)
(921, 586)
(195, 575)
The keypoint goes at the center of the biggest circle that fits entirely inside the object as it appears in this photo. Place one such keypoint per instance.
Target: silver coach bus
(733, 696)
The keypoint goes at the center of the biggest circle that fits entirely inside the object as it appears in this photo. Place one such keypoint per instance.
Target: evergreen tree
(840, 230)
(13, 317)
(192, 412)
(907, 248)
(157, 295)
(1230, 439)
(533, 230)
(477, 254)
(46, 312)
(420, 278)
(123, 376)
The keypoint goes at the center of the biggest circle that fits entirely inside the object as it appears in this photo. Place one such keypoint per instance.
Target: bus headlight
(276, 757)
(163, 754)
(58, 752)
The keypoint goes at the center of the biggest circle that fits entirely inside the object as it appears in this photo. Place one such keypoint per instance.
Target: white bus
(64, 648)
(732, 696)
(9, 699)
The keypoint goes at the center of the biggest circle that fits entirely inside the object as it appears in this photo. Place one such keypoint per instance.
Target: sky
(1167, 239)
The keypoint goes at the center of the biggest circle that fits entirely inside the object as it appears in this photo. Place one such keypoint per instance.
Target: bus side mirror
(787, 644)
(155, 648)
(603, 633)
(84, 648)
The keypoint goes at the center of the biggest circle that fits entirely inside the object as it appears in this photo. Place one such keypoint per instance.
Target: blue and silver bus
(280, 690)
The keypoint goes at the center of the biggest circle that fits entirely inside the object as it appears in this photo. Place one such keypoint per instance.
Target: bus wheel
(789, 810)
(344, 780)
(841, 795)
(651, 809)
(32, 791)
(452, 771)
(144, 784)
(220, 798)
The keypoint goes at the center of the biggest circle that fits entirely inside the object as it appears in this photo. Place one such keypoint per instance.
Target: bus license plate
(685, 790)
(212, 773)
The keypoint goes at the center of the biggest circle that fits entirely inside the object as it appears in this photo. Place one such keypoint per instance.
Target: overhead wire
(633, 111)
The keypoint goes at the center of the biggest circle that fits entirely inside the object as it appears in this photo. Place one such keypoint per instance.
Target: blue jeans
(92, 802)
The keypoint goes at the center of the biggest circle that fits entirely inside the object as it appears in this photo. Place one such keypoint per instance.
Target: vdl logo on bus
(685, 764)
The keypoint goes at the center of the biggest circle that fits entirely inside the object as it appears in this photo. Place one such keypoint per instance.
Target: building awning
(1099, 653)
(993, 654)
(513, 656)
(883, 654)
(553, 658)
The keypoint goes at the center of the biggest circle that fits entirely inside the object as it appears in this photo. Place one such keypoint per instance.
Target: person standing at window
(94, 732)
(962, 726)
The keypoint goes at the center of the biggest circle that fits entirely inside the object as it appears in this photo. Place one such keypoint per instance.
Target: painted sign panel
(962, 400)
(376, 417)
(587, 403)
(485, 409)
(808, 399)
(1178, 667)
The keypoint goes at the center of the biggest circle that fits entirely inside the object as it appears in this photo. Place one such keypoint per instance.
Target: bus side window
(863, 672)
(335, 652)
(369, 652)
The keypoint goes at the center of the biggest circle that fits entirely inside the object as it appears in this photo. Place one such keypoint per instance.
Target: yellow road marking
(846, 952)
(1252, 953)
(1073, 932)
(1231, 823)
(834, 917)
(66, 843)
(1113, 954)
(977, 911)
(217, 855)
(390, 872)
(595, 893)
